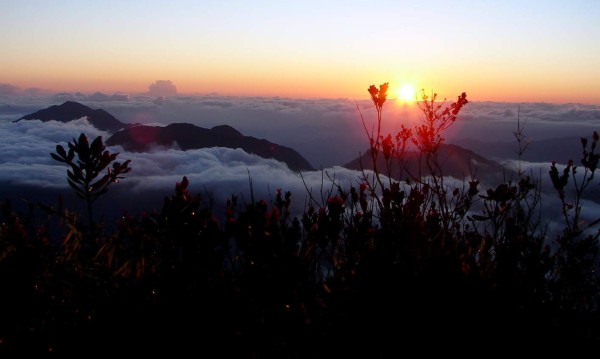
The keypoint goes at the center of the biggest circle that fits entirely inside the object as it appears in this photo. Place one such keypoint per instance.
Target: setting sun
(406, 93)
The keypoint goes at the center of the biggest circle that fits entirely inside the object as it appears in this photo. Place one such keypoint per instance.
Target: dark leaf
(83, 147)
(97, 146)
(61, 151)
(101, 182)
(73, 178)
(56, 157)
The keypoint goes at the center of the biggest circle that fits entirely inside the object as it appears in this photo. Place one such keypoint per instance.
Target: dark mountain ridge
(455, 161)
(70, 111)
(188, 136)
(135, 137)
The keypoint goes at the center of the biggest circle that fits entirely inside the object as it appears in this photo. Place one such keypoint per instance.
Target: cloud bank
(8, 90)
(328, 132)
(162, 88)
(220, 172)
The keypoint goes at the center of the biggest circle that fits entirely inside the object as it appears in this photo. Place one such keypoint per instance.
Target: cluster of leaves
(377, 268)
(92, 160)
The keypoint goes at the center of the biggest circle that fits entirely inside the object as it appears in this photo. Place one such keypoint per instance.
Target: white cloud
(494, 121)
(327, 132)
(8, 90)
(224, 172)
(162, 88)
(26, 161)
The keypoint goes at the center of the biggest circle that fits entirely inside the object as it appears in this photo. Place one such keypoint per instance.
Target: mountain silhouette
(454, 160)
(135, 137)
(188, 136)
(72, 110)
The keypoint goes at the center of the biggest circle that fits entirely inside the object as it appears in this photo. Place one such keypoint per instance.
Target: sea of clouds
(327, 132)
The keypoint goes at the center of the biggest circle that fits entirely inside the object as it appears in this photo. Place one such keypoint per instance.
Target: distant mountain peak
(71, 111)
(454, 160)
(226, 130)
(135, 137)
(189, 136)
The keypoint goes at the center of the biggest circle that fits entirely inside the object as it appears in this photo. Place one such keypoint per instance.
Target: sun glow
(406, 93)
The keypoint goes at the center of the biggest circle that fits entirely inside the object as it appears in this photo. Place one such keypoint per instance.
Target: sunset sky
(493, 50)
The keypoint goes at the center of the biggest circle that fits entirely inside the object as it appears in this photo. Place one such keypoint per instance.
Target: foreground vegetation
(379, 268)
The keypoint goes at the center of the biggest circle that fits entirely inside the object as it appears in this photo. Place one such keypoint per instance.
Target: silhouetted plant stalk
(522, 141)
(530, 203)
(385, 249)
(323, 222)
(571, 210)
(92, 159)
(510, 218)
(511, 204)
(378, 96)
(427, 137)
(575, 274)
(500, 211)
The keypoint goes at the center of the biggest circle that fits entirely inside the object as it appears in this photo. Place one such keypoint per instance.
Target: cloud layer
(220, 172)
(326, 132)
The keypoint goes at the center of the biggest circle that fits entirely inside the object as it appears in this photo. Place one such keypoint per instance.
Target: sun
(406, 93)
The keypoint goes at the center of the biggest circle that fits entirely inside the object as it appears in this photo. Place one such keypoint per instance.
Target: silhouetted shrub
(380, 268)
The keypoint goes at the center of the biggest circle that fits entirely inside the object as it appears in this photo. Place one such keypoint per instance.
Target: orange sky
(506, 51)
